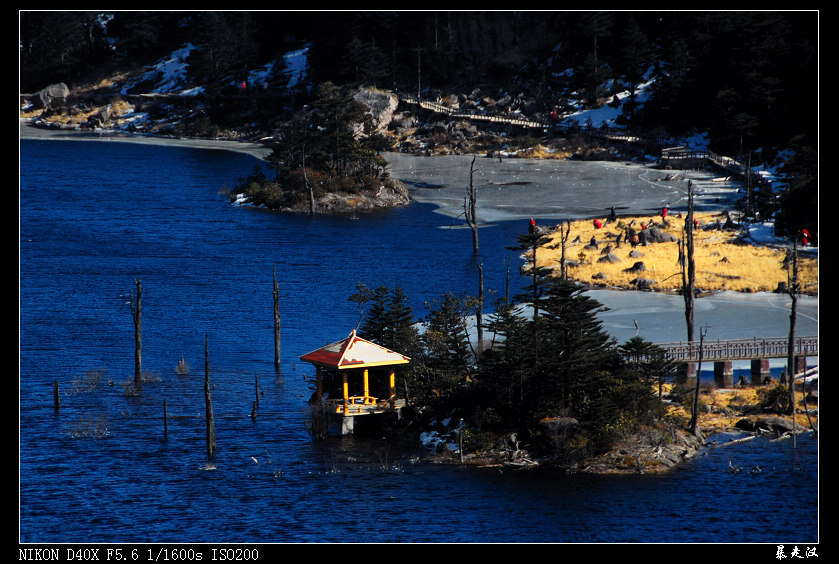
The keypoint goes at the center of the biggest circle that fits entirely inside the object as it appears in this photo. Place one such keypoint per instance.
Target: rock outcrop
(642, 453)
(51, 96)
(380, 107)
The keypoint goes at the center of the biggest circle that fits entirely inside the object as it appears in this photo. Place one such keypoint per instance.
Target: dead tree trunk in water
(276, 321)
(137, 314)
(507, 284)
(793, 288)
(469, 208)
(694, 418)
(208, 402)
(479, 313)
(688, 285)
(689, 267)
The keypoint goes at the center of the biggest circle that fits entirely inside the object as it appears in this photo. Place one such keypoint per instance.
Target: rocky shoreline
(635, 455)
(727, 416)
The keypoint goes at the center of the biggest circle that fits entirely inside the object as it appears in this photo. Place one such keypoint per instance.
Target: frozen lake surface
(552, 190)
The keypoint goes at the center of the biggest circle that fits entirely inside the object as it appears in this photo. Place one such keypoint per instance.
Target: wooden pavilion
(344, 371)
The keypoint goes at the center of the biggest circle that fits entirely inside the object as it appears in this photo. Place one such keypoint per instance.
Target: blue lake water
(95, 216)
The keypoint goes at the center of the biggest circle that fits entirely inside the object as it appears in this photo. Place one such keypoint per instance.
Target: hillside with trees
(747, 80)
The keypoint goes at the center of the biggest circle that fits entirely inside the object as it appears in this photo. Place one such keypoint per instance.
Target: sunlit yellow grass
(731, 405)
(542, 152)
(724, 261)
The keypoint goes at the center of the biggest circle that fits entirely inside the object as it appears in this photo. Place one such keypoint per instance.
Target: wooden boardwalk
(512, 120)
(459, 114)
(682, 158)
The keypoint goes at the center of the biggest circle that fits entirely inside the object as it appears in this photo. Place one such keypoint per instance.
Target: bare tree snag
(276, 321)
(469, 208)
(479, 313)
(694, 418)
(137, 314)
(507, 284)
(793, 289)
(208, 402)
(564, 233)
(689, 267)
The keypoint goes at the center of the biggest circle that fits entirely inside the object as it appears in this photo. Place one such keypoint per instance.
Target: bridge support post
(685, 372)
(760, 370)
(799, 367)
(723, 373)
(800, 364)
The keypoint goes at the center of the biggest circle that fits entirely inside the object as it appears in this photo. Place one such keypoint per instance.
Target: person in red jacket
(597, 224)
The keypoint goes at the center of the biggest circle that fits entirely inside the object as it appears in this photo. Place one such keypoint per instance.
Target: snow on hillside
(291, 69)
(169, 75)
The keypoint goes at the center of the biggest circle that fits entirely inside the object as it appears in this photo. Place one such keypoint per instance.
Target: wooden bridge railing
(740, 349)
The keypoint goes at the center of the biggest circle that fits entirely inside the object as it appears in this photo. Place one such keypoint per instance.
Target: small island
(328, 158)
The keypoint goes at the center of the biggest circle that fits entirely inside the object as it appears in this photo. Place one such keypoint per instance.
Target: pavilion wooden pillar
(346, 394)
(392, 387)
(366, 385)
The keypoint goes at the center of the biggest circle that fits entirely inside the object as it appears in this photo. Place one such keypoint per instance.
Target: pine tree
(529, 243)
(575, 355)
(389, 321)
(446, 339)
(504, 365)
(375, 326)
(647, 369)
(402, 335)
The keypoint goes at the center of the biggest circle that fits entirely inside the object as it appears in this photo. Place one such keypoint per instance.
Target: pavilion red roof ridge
(354, 352)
